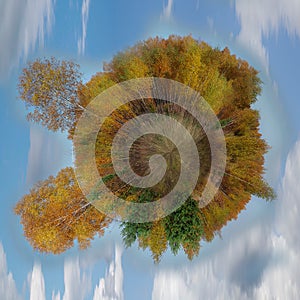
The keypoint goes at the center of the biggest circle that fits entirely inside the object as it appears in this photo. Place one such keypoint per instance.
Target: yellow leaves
(132, 198)
(97, 84)
(49, 87)
(55, 213)
(127, 65)
(157, 240)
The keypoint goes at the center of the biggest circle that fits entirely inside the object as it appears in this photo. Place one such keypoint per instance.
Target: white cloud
(261, 262)
(77, 283)
(47, 153)
(167, 11)
(22, 25)
(55, 296)
(37, 283)
(288, 211)
(223, 275)
(8, 290)
(78, 273)
(111, 286)
(260, 18)
(84, 16)
(77, 279)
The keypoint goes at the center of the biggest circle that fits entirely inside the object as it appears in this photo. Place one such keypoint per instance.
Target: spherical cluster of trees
(55, 213)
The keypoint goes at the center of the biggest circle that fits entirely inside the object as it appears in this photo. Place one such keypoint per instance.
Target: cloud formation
(8, 289)
(47, 153)
(111, 286)
(37, 283)
(261, 262)
(261, 18)
(55, 296)
(167, 11)
(22, 25)
(84, 19)
(77, 282)
(78, 273)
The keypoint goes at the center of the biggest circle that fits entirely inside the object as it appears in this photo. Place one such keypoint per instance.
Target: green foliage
(181, 229)
(185, 227)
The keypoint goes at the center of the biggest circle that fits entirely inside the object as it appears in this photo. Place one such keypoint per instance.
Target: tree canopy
(49, 89)
(229, 84)
(55, 213)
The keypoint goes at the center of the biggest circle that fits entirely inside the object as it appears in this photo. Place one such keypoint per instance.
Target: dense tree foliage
(55, 213)
(49, 89)
(181, 229)
(226, 82)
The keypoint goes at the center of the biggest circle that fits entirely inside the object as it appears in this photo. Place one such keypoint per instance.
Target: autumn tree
(49, 89)
(55, 213)
(229, 84)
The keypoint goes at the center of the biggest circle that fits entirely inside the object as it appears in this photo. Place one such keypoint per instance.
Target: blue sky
(258, 254)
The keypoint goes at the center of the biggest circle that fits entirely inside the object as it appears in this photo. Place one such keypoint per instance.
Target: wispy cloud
(111, 286)
(37, 283)
(8, 290)
(78, 275)
(47, 153)
(261, 262)
(167, 11)
(84, 19)
(55, 296)
(78, 278)
(77, 282)
(22, 25)
(261, 18)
